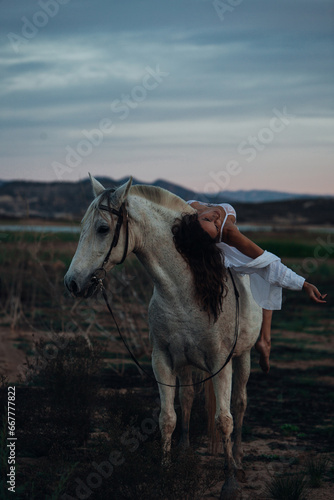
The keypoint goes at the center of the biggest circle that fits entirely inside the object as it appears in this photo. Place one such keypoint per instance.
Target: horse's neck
(155, 248)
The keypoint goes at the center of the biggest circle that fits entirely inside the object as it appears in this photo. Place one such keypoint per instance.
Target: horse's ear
(97, 186)
(123, 191)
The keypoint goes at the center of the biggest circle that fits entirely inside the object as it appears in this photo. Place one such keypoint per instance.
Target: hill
(68, 201)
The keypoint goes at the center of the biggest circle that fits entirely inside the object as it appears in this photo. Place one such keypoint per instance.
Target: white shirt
(267, 275)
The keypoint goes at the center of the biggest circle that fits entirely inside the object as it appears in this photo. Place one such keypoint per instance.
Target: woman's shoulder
(207, 204)
(226, 206)
(229, 209)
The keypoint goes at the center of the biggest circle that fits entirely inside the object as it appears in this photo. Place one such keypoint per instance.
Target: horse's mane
(92, 207)
(160, 196)
(156, 194)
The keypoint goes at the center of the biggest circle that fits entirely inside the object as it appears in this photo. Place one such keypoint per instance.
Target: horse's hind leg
(241, 366)
(186, 396)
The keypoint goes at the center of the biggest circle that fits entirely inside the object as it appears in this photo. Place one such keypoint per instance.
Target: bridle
(123, 214)
(120, 214)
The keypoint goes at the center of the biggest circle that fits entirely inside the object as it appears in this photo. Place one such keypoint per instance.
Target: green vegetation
(316, 468)
(287, 488)
(289, 429)
(35, 237)
(285, 249)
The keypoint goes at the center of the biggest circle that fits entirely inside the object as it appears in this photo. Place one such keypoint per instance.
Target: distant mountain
(239, 196)
(184, 193)
(69, 200)
(260, 196)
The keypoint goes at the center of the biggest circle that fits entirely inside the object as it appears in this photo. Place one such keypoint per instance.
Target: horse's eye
(103, 229)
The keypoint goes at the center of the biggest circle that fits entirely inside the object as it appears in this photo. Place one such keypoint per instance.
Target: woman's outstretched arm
(232, 237)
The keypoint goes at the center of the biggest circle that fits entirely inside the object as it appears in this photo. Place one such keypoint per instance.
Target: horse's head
(103, 240)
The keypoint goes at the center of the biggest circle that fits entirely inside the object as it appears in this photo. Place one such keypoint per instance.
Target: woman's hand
(314, 293)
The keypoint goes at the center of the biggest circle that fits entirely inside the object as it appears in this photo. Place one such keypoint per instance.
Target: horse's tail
(210, 405)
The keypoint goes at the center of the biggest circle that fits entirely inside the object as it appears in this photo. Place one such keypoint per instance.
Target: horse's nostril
(73, 287)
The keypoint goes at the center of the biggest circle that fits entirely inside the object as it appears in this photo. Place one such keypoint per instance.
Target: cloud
(225, 78)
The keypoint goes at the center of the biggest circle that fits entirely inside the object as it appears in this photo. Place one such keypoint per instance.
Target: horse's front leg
(222, 384)
(186, 396)
(167, 417)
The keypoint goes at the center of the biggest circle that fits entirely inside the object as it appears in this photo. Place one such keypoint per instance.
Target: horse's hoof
(241, 475)
(230, 490)
(166, 461)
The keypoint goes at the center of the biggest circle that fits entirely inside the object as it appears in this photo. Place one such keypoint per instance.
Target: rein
(99, 282)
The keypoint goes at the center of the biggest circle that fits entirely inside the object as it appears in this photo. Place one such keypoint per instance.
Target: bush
(286, 488)
(316, 468)
(63, 399)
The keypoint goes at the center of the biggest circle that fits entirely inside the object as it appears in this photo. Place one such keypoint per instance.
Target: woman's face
(210, 220)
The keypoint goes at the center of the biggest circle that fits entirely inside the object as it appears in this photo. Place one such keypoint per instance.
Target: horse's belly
(185, 339)
(179, 353)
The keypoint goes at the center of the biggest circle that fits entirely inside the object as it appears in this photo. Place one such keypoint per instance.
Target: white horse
(181, 334)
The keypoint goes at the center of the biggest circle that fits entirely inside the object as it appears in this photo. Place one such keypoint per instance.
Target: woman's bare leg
(263, 345)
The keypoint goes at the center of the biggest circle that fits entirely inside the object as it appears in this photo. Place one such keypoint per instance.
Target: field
(86, 419)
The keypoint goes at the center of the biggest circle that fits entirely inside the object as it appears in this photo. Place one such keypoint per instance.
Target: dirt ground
(268, 450)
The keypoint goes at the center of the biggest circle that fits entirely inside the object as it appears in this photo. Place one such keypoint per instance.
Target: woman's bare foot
(263, 347)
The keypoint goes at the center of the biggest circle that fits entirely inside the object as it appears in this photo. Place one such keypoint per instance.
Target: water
(76, 229)
(39, 229)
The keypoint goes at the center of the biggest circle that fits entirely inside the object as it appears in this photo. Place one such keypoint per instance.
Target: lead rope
(104, 294)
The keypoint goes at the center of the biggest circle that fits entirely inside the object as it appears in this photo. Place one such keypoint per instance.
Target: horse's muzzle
(76, 291)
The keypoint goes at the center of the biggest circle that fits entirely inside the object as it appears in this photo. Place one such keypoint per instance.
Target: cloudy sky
(209, 94)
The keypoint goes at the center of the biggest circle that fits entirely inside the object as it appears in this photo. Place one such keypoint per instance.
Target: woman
(210, 242)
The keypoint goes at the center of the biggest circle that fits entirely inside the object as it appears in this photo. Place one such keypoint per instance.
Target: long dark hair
(205, 260)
